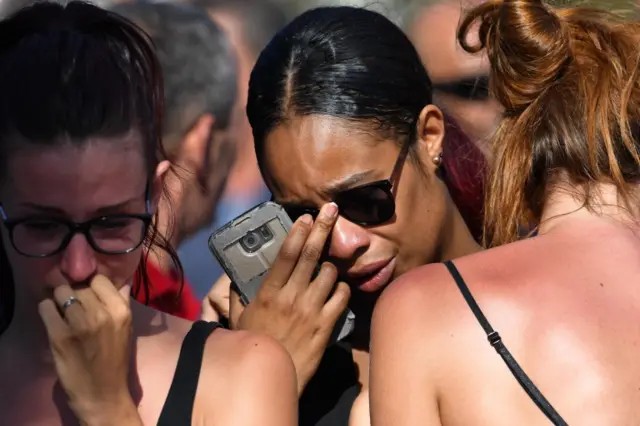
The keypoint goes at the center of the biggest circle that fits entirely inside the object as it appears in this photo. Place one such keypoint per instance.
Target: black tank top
(178, 408)
(496, 341)
(331, 392)
(327, 400)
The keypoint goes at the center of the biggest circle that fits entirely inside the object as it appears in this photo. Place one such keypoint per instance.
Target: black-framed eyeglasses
(110, 234)
(370, 204)
(470, 88)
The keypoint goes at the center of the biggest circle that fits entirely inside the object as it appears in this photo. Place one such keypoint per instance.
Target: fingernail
(331, 210)
(306, 219)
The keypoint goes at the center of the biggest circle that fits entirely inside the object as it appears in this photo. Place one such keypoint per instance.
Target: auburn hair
(568, 82)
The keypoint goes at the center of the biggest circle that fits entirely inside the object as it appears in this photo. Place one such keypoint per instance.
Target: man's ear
(430, 135)
(157, 186)
(193, 150)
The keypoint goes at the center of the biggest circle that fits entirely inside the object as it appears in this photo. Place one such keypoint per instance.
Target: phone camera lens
(251, 242)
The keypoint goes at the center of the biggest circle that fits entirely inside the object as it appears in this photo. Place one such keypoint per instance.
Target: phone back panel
(247, 246)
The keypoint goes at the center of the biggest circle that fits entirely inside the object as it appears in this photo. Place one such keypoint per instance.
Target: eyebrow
(102, 211)
(347, 182)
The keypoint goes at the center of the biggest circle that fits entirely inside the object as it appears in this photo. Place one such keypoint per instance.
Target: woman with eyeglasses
(81, 174)
(562, 308)
(347, 138)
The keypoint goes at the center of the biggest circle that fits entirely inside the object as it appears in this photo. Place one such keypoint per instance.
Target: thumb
(209, 312)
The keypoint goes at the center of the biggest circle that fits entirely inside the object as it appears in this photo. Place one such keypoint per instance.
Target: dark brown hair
(69, 73)
(568, 81)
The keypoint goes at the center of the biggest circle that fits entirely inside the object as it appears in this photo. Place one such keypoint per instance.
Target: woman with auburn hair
(565, 302)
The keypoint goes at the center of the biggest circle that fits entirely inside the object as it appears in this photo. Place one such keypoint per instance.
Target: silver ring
(70, 301)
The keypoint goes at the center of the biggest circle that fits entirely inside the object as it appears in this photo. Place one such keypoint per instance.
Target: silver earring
(437, 160)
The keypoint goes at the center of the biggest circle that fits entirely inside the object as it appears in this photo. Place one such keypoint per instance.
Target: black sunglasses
(471, 88)
(370, 204)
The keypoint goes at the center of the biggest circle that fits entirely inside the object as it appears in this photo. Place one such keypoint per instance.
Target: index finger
(288, 256)
(108, 294)
(314, 246)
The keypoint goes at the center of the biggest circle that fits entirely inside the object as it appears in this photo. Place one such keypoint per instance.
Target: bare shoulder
(415, 298)
(235, 351)
(247, 379)
(429, 305)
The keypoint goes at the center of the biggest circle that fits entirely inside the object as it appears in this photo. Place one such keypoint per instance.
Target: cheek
(120, 269)
(421, 210)
(35, 276)
(39, 276)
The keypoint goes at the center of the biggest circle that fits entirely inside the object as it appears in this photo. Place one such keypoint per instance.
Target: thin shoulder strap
(178, 408)
(496, 341)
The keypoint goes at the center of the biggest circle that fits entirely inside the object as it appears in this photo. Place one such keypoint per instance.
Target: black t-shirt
(331, 392)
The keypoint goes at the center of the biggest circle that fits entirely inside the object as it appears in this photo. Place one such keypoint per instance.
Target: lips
(374, 276)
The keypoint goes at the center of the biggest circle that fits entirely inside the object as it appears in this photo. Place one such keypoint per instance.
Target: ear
(194, 147)
(430, 133)
(157, 186)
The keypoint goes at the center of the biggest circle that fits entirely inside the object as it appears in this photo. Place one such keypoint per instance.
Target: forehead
(434, 33)
(65, 175)
(310, 153)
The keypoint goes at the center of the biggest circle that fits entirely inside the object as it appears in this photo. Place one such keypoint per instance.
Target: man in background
(250, 25)
(460, 79)
(199, 68)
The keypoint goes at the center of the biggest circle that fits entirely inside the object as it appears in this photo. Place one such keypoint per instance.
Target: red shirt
(165, 296)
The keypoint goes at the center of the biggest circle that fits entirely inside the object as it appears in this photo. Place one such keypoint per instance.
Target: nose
(348, 240)
(79, 263)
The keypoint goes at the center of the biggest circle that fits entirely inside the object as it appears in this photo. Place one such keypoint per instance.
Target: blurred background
(397, 10)
(207, 50)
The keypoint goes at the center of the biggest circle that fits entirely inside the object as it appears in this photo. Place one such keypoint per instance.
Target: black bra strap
(178, 408)
(496, 342)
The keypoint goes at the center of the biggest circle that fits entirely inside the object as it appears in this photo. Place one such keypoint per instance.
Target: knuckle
(121, 315)
(100, 319)
(324, 224)
(311, 253)
(301, 229)
(343, 293)
(288, 253)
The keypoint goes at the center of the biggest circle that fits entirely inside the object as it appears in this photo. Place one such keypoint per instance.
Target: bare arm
(255, 384)
(402, 389)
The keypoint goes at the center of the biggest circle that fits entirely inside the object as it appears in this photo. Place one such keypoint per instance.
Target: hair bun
(528, 46)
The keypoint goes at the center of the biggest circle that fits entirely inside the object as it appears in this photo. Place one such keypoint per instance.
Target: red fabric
(165, 296)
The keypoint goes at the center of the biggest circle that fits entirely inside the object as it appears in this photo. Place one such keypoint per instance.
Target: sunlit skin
(108, 176)
(308, 158)
(566, 306)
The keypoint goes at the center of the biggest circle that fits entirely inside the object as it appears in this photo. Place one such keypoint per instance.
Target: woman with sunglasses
(340, 107)
(562, 308)
(81, 176)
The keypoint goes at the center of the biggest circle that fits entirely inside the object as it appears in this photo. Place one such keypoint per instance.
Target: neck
(565, 204)
(245, 178)
(457, 241)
